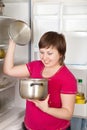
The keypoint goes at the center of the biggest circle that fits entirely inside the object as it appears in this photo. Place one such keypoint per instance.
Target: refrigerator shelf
(7, 86)
(80, 110)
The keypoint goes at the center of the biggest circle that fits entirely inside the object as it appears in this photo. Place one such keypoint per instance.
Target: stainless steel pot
(19, 32)
(33, 88)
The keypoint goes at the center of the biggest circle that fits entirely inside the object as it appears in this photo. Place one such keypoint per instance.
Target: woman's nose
(44, 56)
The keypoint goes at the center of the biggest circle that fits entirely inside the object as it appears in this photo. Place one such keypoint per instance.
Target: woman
(55, 112)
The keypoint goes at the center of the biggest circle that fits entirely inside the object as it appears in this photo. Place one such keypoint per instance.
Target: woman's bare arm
(65, 112)
(67, 109)
(9, 68)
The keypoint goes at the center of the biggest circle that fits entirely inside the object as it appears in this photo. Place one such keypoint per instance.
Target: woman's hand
(65, 112)
(42, 104)
(11, 41)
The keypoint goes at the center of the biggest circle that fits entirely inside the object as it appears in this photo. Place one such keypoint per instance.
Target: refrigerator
(12, 106)
(68, 17)
(64, 16)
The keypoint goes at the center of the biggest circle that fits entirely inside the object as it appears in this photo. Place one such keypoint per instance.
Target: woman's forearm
(61, 113)
(67, 109)
(9, 58)
(65, 112)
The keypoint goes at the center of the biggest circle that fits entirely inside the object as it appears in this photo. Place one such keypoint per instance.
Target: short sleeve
(69, 86)
(35, 69)
(68, 83)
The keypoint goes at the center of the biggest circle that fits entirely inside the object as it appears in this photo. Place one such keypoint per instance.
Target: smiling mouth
(46, 62)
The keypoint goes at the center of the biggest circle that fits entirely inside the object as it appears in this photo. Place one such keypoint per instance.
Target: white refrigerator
(69, 18)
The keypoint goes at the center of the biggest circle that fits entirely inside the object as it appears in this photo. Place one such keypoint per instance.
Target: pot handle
(41, 84)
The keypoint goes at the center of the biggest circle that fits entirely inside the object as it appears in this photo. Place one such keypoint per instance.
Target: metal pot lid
(19, 32)
(4, 25)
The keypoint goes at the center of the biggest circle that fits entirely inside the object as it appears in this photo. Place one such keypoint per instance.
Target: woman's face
(49, 56)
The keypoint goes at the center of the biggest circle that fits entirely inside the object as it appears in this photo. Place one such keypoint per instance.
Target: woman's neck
(50, 71)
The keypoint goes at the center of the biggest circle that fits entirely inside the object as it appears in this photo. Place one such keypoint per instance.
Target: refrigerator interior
(20, 11)
(76, 48)
(80, 110)
(69, 18)
(12, 106)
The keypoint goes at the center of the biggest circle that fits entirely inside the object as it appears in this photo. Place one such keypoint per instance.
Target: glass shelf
(77, 66)
(14, 1)
(1, 59)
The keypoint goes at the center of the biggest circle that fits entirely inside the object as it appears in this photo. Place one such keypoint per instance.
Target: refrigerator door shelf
(80, 110)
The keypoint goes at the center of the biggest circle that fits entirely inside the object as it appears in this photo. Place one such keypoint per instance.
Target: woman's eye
(49, 53)
(41, 52)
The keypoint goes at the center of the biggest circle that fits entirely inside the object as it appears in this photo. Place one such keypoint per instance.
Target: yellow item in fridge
(2, 53)
(80, 96)
(80, 101)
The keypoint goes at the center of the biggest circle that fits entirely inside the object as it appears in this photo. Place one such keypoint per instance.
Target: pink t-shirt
(63, 81)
